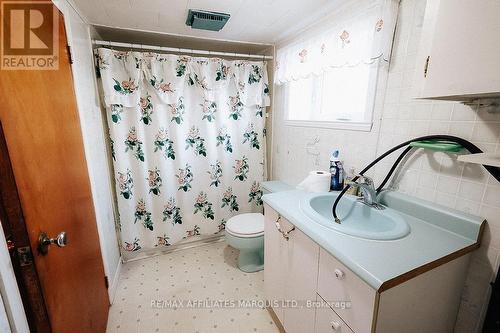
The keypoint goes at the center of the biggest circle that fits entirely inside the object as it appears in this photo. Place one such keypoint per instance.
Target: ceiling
(254, 21)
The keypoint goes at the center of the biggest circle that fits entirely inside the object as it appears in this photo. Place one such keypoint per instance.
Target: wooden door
(42, 129)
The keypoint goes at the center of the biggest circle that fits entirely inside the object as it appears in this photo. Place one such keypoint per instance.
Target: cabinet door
(275, 262)
(301, 283)
(460, 41)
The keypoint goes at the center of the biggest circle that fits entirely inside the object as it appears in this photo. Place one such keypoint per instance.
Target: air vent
(200, 19)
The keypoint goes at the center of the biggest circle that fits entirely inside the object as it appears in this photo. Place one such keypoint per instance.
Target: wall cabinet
(459, 56)
(310, 290)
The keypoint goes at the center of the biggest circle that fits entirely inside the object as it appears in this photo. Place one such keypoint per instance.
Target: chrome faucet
(365, 184)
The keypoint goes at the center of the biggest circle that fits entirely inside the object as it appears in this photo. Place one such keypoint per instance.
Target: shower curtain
(187, 142)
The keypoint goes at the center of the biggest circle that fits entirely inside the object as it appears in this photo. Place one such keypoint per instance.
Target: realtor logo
(29, 32)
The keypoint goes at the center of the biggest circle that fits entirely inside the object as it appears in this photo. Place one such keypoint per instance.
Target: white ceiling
(257, 21)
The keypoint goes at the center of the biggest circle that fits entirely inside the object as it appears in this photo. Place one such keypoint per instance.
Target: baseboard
(114, 283)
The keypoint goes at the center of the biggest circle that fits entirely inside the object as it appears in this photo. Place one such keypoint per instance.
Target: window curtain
(187, 141)
(360, 32)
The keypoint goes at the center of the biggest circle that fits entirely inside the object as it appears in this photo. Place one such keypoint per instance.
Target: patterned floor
(193, 290)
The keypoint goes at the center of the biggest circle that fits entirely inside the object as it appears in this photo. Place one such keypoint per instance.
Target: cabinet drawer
(336, 284)
(327, 321)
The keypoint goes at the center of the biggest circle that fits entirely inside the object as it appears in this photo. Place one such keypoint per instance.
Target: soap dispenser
(337, 172)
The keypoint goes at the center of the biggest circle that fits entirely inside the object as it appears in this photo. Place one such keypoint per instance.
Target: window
(339, 98)
(329, 72)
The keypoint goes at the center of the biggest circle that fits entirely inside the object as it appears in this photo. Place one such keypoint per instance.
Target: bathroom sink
(357, 219)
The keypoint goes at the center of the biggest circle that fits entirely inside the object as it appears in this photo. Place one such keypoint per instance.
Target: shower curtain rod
(178, 50)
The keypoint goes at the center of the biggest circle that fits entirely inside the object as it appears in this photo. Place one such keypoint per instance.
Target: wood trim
(433, 264)
(275, 319)
(15, 230)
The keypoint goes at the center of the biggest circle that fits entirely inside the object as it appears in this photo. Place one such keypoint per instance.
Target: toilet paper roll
(316, 181)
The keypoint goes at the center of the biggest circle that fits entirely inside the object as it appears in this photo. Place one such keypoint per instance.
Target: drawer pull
(335, 325)
(285, 234)
(339, 274)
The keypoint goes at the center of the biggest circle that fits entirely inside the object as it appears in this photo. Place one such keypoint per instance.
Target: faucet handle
(359, 180)
(364, 179)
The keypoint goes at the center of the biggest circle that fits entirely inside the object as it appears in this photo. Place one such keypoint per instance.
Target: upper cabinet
(459, 56)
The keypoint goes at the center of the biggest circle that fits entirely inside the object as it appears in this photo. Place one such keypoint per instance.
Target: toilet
(245, 232)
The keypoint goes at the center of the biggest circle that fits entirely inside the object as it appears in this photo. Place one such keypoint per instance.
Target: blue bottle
(337, 172)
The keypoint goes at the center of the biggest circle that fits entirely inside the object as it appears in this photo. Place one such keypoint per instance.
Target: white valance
(127, 76)
(358, 33)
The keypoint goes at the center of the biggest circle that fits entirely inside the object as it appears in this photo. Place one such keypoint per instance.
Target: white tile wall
(433, 176)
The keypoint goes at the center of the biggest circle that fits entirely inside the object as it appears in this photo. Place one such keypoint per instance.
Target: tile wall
(437, 177)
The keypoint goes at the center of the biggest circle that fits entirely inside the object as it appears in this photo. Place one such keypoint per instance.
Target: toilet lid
(246, 225)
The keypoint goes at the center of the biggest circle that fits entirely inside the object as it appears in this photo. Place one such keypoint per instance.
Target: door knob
(44, 241)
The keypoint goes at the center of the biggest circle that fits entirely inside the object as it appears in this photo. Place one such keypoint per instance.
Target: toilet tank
(275, 186)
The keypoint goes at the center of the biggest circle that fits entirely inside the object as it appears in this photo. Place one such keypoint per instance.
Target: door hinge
(426, 67)
(70, 55)
(24, 255)
(106, 282)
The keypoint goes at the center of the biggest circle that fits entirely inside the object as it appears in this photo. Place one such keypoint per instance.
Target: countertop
(436, 232)
(274, 186)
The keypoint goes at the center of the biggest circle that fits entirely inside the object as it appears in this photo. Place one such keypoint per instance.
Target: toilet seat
(246, 225)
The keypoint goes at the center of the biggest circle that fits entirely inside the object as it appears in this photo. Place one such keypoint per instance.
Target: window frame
(365, 125)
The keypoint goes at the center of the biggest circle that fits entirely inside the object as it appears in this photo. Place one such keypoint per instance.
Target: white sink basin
(357, 219)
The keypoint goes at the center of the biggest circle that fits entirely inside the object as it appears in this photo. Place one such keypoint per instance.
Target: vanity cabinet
(459, 54)
(297, 269)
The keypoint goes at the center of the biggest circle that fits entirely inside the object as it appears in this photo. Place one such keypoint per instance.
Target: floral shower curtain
(187, 140)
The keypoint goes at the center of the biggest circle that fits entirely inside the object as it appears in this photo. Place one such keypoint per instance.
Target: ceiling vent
(200, 19)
